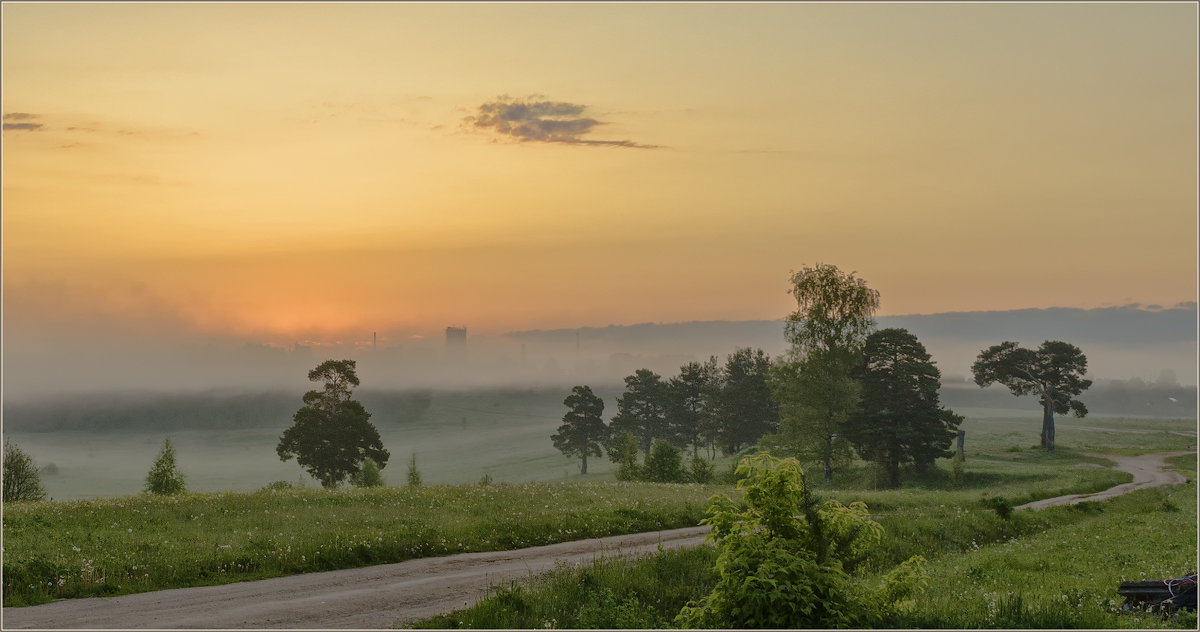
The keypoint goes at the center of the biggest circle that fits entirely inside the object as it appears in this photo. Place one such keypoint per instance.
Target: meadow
(1057, 568)
(494, 481)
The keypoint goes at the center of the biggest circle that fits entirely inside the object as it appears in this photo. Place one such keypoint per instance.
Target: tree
(745, 406)
(583, 432)
(623, 451)
(1054, 373)
(642, 408)
(814, 385)
(368, 476)
(164, 477)
(899, 419)
(21, 478)
(332, 434)
(414, 475)
(691, 402)
(664, 465)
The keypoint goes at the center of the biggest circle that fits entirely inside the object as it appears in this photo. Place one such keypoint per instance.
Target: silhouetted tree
(642, 408)
(21, 478)
(745, 406)
(899, 419)
(814, 385)
(583, 432)
(691, 402)
(1054, 372)
(332, 434)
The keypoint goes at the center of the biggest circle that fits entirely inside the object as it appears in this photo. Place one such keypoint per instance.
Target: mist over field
(1120, 342)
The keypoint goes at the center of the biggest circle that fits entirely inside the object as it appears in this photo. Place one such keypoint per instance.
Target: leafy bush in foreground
(784, 560)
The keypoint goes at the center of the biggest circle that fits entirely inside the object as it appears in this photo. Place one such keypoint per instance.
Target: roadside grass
(55, 550)
(610, 593)
(1050, 569)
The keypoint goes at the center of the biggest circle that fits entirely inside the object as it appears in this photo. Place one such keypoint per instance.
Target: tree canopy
(1054, 372)
(814, 385)
(332, 434)
(642, 409)
(899, 419)
(583, 432)
(21, 478)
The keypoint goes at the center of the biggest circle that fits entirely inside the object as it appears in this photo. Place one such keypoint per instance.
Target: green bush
(700, 470)
(414, 475)
(164, 477)
(783, 561)
(623, 451)
(664, 465)
(21, 479)
(957, 471)
(999, 504)
(369, 475)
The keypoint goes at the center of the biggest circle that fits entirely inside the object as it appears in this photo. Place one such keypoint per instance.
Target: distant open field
(227, 443)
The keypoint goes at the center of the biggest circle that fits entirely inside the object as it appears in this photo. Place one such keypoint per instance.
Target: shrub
(623, 451)
(369, 475)
(783, 561)
(414, 475)
(664, 465)
(278, 486)
(21, 479)
(957, 471)
(164, 477)
(999, 504)
(700, 470)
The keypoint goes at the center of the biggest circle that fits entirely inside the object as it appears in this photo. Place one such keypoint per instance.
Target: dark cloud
(542, 121)
(29, 127)
(20, 116)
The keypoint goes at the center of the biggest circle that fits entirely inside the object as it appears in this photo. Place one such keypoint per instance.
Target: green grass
(610, 593)
(142, 543)
(1055, 568)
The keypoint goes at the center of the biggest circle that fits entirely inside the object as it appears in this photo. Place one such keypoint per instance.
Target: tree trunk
(828, 459)
(583, 470)
(893, 468)
(1048, 426)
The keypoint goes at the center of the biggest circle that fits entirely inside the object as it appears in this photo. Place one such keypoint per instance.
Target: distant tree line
(843, 388)
(216, 411)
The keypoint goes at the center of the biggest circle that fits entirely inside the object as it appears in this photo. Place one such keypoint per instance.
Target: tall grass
(143, 543)
(610, 593)
(1049, 569)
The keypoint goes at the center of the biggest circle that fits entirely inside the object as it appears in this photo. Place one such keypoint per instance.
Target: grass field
(87, 548)
(108, 539)
(1052, 569)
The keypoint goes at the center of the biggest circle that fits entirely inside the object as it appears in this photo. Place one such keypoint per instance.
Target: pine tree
(165, 477)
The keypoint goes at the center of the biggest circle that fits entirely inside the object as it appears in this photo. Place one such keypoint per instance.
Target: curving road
(395, 594)
(1147, 469)
(359, 598)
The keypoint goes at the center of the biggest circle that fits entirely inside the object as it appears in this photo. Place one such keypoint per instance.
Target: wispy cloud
(533, 120)
(22, 116)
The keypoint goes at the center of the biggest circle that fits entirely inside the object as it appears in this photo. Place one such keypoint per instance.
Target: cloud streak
(531, 120)
(21, 116)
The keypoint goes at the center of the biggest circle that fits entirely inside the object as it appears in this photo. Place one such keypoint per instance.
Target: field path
(360, 598)
(1147, 469)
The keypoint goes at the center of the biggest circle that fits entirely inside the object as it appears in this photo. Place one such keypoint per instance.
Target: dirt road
(1147, 470)
(361, 598)
(390, 594)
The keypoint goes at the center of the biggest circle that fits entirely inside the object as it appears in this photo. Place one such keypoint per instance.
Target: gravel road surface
(387, 595)
(374, 597)
(1147, 470)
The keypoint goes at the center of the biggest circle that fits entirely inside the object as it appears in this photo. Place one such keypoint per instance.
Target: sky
(283, 172)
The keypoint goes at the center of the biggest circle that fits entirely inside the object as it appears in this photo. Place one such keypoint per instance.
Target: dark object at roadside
(1166, 595)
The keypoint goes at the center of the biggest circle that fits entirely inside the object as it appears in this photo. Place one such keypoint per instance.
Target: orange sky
(275, 171)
